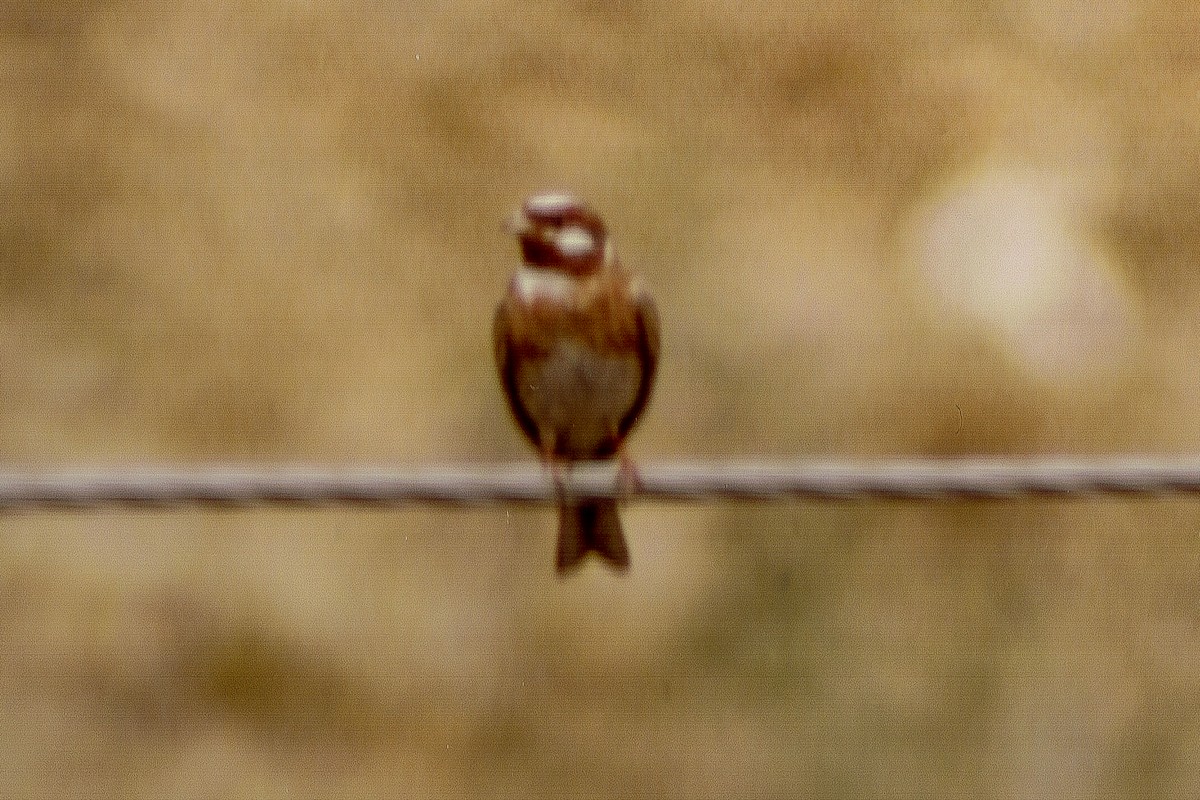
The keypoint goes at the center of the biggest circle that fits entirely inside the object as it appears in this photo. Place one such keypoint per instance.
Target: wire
(820, 479)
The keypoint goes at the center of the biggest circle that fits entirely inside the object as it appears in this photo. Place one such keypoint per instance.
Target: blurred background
(271, 233)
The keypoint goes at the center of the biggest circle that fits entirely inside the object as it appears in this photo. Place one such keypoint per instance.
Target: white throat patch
(545, 284)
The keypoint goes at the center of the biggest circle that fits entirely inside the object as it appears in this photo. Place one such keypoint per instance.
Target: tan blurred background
(271, 233)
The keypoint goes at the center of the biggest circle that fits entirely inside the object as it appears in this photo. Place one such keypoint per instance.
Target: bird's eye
(574, 241)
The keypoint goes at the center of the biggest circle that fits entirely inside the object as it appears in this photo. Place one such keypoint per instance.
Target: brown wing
(648, 345)
(507, 367)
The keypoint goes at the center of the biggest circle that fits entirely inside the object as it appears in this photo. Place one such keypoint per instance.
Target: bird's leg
(628, 479)
(556, 467)
(557, 473)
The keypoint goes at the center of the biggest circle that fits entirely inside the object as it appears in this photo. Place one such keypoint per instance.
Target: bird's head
(557, 231)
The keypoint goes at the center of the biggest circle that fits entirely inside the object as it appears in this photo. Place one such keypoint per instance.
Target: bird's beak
(517, 224)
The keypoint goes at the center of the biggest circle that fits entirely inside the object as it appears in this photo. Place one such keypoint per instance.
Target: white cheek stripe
(533, 283)
(574, 241)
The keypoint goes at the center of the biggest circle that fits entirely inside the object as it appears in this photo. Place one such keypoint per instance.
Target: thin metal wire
(819, 479)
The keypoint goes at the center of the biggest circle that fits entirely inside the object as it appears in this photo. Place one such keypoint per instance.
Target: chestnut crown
(558, 231)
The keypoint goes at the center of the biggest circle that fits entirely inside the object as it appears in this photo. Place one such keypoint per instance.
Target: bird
(576, 344)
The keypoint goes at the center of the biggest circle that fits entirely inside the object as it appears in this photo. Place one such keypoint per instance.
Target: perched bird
(577, 340)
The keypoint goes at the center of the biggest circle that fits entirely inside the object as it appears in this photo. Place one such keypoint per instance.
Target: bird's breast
(604, 319)
(578, 395)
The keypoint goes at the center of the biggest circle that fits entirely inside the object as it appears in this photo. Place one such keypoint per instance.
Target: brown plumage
(577, 341)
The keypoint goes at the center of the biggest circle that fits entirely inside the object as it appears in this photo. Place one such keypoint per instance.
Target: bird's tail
(590, 526)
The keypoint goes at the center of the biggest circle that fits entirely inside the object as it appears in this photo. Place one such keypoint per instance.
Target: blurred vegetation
(271, 233)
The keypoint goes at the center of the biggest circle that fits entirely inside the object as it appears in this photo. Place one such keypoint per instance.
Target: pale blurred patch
(1004, 249)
